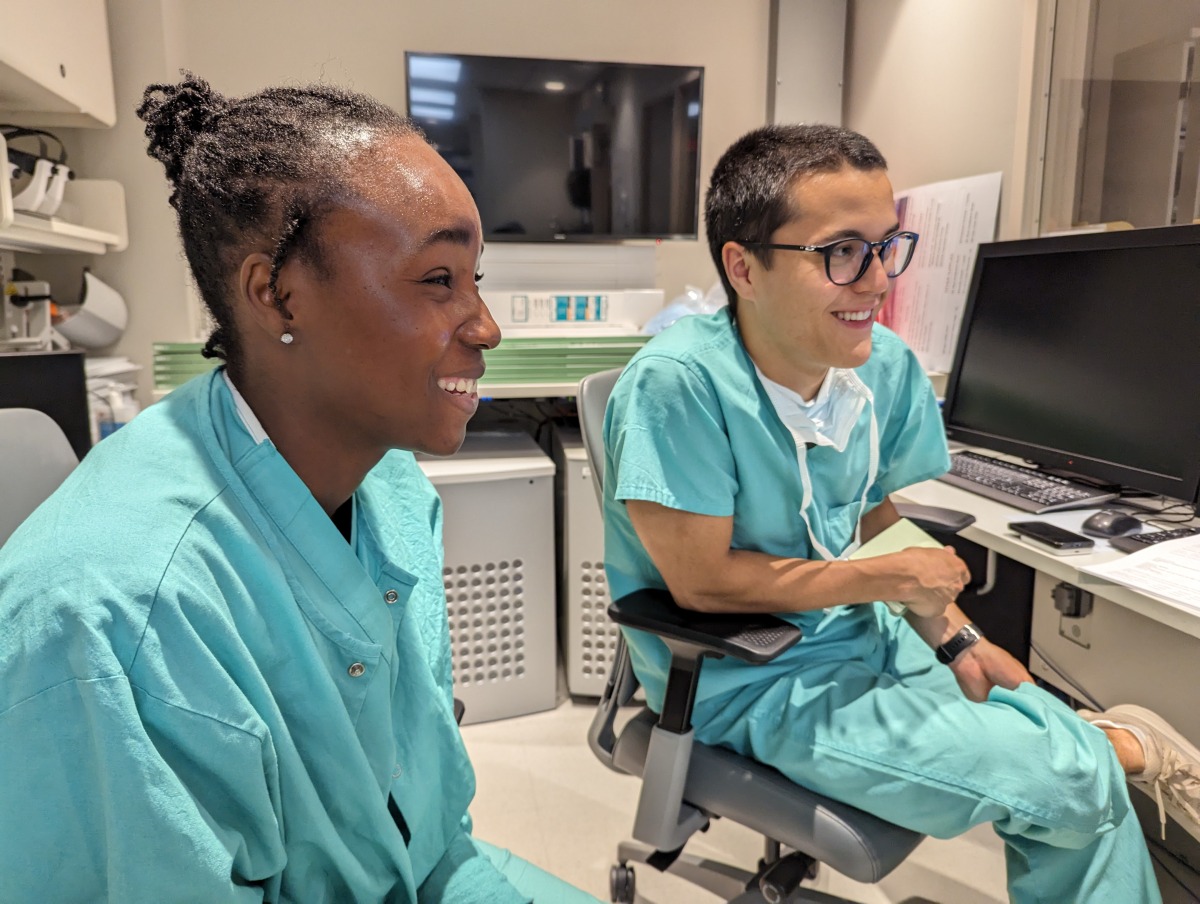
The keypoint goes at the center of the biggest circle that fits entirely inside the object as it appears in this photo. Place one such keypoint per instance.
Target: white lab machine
(587, 637)
(573, 312)
(497, 494)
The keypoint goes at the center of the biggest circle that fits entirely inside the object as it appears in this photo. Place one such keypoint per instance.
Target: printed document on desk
(1169, 570)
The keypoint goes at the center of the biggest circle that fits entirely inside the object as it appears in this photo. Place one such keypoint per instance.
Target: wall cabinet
(56, 71)
(55, 64)
(91, 219)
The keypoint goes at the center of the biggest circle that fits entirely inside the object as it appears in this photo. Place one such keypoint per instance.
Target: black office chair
(686, 783)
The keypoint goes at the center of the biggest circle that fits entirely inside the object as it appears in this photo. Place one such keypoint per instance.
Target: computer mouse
(1111, 523)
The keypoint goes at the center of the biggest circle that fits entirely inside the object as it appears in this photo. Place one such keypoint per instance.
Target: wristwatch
(968, 635)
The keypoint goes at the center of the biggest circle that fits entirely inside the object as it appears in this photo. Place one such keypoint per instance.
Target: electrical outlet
(1076, 630)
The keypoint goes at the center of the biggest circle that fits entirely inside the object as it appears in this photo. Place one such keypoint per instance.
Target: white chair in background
(35, 457)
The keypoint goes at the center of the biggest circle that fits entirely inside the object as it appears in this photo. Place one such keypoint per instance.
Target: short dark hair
(749, 193)
(256, 171)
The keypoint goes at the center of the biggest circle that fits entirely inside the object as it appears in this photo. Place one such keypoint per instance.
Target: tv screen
(1082, 353)
(563, 150)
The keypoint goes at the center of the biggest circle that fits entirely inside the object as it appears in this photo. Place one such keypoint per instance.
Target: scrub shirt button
(356, 669)
(391, 596)
(397, 771)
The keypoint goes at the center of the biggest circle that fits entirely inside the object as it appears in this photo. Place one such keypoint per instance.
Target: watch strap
(968, 635)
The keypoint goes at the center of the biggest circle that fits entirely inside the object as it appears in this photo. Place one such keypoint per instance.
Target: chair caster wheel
(621, 884)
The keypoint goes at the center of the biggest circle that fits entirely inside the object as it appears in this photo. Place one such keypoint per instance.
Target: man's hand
(984, 666)
(935, 578)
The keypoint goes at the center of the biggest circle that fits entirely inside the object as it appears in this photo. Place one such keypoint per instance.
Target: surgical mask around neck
(828, 420)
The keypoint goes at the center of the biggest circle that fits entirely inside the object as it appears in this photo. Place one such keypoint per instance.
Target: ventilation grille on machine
(598, 640)
(486, 607)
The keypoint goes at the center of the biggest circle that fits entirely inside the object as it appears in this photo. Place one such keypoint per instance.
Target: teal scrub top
(207, 694)
(689, 426)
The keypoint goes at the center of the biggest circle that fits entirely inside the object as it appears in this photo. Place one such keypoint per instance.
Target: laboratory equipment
(498, 504)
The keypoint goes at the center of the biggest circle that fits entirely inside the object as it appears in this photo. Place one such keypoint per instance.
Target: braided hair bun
(254, 172)
(175, 115)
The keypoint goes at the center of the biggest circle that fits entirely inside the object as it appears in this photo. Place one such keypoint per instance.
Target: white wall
(242, 46)
(944, 88)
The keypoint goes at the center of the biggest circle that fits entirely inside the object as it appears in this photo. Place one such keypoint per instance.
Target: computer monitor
(559, 150)
(1081, 354)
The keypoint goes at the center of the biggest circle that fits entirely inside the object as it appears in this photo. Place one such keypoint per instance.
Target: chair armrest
(753, 638)
(935, 520)
(690, 636)
(664, 819)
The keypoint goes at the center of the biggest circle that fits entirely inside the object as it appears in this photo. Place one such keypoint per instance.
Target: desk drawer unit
(1116, 656)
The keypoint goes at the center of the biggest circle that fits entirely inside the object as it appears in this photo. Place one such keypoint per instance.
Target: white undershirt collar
(822, 394)
(249, 421)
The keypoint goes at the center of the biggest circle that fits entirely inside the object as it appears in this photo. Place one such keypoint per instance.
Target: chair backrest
(35, 457)
(592, 400)
(594, 390)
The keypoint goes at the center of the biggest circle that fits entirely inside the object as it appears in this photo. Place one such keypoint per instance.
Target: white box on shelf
(587, 637)
(573, 312)
(498, 500)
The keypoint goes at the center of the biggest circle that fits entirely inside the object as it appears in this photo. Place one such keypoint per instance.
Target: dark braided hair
(255, 172)
(749, 195)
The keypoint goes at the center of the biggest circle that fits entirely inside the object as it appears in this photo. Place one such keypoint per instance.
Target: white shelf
(527, 390)
(91, 219)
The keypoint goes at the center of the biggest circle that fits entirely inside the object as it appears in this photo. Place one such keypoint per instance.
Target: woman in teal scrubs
(225, 666)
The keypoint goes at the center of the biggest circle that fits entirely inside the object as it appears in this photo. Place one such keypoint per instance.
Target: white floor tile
(543, 795)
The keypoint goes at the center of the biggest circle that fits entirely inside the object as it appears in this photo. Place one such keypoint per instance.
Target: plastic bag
(692, 301)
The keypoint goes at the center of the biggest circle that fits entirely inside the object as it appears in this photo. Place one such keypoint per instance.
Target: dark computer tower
(51, 382)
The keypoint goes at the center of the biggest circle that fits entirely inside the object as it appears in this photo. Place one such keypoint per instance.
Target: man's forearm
(746, 581)
(937, 630)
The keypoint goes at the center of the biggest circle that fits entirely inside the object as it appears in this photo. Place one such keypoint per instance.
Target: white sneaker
(1172, 774)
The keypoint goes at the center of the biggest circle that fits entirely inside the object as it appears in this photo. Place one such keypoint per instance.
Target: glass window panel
(1124, 88)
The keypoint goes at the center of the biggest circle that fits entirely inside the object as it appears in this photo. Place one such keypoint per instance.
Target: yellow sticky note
(901, 535)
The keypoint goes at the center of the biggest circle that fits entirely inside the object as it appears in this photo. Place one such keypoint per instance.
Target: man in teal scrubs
(751, 451)
(225, 664)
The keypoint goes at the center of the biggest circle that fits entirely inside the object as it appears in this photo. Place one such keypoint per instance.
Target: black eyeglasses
(846, 260)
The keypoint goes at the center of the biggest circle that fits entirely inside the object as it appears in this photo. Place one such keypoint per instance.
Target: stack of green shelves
(177, 362)
(515, 361)
(557, 359)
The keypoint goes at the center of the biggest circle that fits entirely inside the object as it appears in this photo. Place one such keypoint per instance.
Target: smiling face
(390, 332)
(796, 324)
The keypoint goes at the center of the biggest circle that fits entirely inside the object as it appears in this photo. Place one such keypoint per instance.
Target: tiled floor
(543, 795)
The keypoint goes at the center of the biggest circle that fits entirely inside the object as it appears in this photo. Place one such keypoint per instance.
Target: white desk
(991, 531)
(1132, 648)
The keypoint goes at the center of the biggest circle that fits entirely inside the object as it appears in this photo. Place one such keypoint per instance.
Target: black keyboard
(1134, 542)
(1025, 488)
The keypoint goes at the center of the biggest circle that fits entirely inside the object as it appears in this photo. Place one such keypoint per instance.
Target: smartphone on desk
(1057, 541)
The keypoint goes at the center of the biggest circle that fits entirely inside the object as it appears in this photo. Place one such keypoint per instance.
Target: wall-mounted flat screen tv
(564, 150)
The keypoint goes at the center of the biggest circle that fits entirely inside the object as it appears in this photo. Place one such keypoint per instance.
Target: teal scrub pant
(535, 883)
(890, 732)
(475, 872)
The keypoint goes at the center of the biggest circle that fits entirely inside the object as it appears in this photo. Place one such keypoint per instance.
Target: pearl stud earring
(287, 338)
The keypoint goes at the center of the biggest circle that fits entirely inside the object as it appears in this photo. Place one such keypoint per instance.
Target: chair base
(724, 880)
(721, 879)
